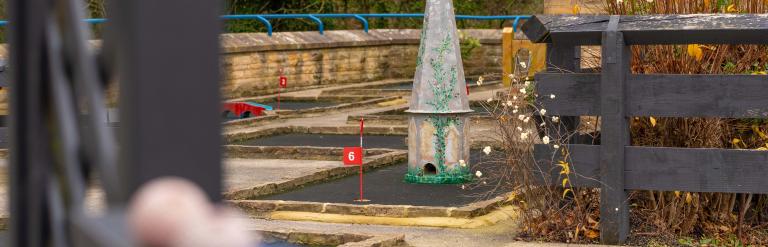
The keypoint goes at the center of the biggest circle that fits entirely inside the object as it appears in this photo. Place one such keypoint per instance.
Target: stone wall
(252, 61)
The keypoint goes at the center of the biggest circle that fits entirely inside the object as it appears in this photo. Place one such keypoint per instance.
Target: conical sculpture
(438, 147)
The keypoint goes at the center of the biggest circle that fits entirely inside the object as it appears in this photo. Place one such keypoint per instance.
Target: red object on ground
(353, 156)
(243, 109)
(467, 89)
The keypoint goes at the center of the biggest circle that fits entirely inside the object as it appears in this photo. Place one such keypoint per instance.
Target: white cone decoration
(439, 103)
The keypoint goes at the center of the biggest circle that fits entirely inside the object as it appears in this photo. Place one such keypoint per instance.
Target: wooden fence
(615, 94)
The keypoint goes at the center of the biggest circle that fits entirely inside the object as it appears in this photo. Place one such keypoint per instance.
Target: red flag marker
(283, 83)
(354, 156)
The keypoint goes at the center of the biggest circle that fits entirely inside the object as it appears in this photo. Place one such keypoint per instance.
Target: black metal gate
(168, 70)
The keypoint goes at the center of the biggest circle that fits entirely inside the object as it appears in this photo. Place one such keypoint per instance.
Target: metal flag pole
(362, 199)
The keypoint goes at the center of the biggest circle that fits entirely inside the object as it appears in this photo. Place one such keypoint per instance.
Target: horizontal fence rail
(660, 95)
(653, 29)
(666, 169)
(617, 95)
(317, 18)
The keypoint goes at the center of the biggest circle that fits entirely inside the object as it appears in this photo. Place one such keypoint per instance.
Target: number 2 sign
(353, 156)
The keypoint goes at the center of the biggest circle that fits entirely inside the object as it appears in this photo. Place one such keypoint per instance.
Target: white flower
(523, 91)
(527, 83)
(480, 81)
(516, 107)
(555, 119)
(479, 174)
(526, 119)
(462, 163)
(542, 124)
(519, 128)
(514, 111)
(489, 100)
(619, 1)
(649, 1)
(556, 146)
(504, 104)
(523, 135)
(545, 140)
(514, 97)
(487, 150)
(521, 117)
(484, 182)
(543, 112)
(552, 96)
(509, 103)
(523, 65)
(463, 187)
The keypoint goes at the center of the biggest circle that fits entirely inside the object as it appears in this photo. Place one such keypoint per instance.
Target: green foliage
(468, 7)
(468, 44)
(442, 89)
(441, 124)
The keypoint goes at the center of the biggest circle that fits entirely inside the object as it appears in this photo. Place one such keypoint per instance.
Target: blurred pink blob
(171, 212)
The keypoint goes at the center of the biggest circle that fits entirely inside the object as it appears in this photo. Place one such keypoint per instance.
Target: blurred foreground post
(169, 91)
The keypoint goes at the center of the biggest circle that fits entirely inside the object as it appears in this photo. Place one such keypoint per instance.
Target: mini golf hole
(430, 169)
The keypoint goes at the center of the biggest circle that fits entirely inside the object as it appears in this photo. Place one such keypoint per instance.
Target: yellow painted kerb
(501, 214)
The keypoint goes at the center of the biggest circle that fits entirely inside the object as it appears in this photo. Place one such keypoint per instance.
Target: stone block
(426, 211)
(254, 206)
(385, 211)
(315, 207)
(347, 209)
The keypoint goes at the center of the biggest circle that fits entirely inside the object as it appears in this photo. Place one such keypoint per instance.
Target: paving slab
(248, 173)
(500, 234)
(497, 235)
(327, 140)
(240, 173)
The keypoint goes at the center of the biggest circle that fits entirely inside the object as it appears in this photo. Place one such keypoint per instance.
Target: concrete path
(248, 173)
(239, 174)
(501, 234)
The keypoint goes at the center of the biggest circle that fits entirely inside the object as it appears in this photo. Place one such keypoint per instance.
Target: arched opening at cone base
(430, 169)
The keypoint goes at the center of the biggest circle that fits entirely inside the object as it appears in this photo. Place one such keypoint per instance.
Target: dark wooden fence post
(614, 214)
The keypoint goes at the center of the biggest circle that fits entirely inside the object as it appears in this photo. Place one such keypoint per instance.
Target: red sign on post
(353, 156)
(283, 81)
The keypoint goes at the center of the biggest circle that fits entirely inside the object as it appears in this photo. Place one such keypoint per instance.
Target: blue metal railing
(317, 18)
(363, 18)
